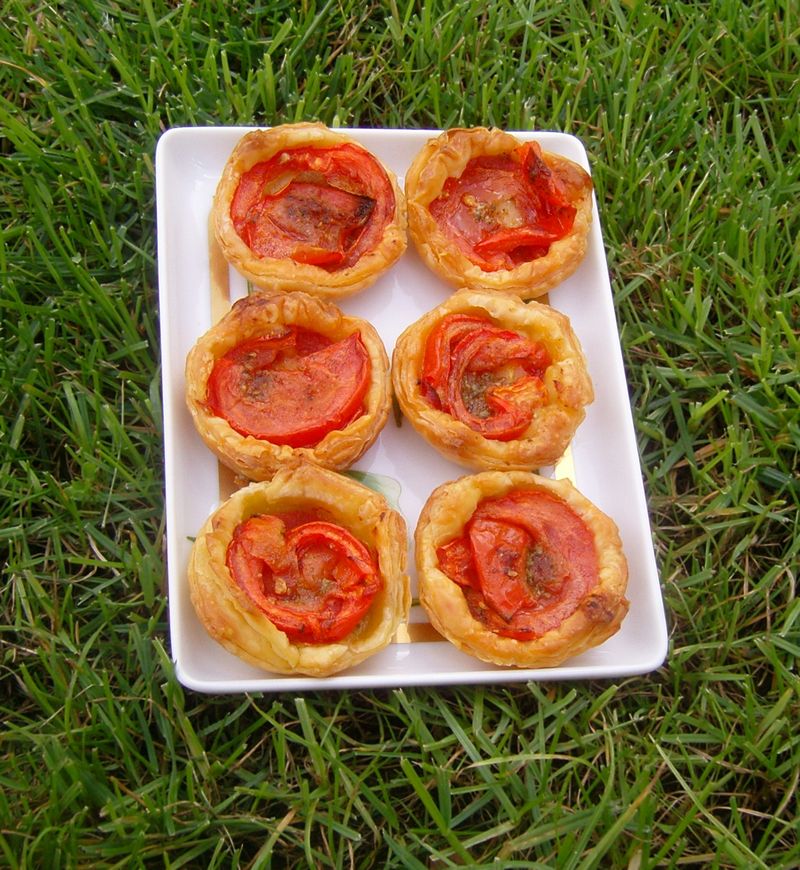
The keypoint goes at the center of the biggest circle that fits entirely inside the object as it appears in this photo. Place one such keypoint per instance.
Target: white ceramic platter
(606, 463)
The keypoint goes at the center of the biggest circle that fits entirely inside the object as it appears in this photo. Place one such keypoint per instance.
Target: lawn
(689, 114)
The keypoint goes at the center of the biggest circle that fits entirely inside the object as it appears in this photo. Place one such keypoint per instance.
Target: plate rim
(481, 674)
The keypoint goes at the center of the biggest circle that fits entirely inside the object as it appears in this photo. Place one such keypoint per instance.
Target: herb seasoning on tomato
(524, 562)
(506, 209)
(325, 207)
(489, 378)
(311, 577)
(291, 387)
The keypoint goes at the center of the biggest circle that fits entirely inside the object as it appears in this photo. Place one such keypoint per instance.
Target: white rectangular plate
(189, 162)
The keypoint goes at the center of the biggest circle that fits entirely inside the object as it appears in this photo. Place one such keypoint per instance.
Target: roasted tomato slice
(439, 353)
(489, 378)
(320, 206)
(314, 581)
(525, 561)
(504, 210)
(291, 388)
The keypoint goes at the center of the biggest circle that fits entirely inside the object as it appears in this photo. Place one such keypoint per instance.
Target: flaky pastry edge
(597, 617)
(286, 275)
(567, 380)
(447, 155)
(254, 315)
(231, 618)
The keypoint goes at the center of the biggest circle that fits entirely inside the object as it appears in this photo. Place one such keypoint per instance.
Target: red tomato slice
(485, 351)
(269, 389)
(439, 350)
(321, 206)
(487, 377)
(324, 222)
(504, 210)
(455, 559)
(531, 561)
(500, 553)
(506, 241)
(258, 543)
(315, 582)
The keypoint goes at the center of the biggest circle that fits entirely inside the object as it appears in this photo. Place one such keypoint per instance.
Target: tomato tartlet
(486, 210)
(301, 207)
(302, 574)
(517, 569)
(493, 382)
(288, 377)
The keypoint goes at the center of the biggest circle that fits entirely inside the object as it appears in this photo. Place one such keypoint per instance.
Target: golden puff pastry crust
(556, 409)
(446, 157)
(375, 194)
(260, 315)
(233, 619)
(592, 617)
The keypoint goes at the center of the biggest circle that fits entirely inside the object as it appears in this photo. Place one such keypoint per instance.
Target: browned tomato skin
(464, 346)
(524, 562)
(290, 388)
(320, 206)
(504, 210)
(311, 578)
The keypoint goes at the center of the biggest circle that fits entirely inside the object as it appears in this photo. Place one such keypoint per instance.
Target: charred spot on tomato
(303, 208)
(537, 170)
(598, 609)
(545, 573)
(366, 205)
(474, 388)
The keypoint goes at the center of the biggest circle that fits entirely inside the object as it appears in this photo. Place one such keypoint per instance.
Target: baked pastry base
(446, 156)
(287, 275)
(257, 314)
(232, 619)
(597, 617)
(567, 381)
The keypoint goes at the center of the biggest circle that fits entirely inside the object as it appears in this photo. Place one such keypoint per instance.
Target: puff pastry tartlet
(301, 207)
(287, 377)
(302, 574)
(520, 570)
(486, 210)
(492, 382)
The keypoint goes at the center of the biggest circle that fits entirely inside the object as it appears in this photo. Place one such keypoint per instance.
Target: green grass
(690, 117)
